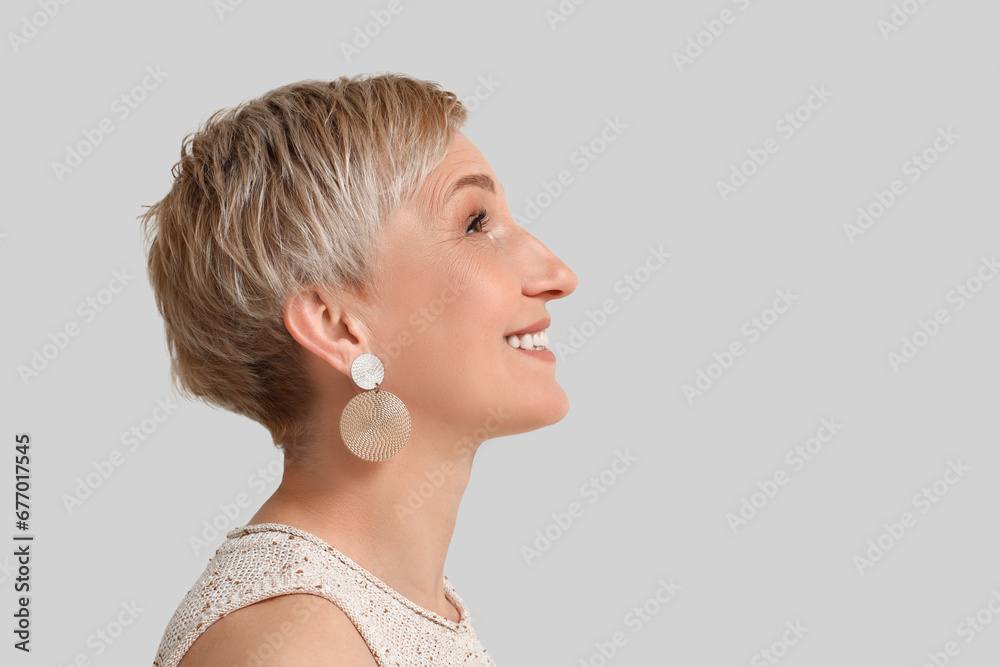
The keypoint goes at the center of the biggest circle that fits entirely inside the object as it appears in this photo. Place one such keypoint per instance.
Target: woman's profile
(336, 261)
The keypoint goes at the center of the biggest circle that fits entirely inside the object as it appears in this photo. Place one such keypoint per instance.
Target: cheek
(452, 304)
(485, 303)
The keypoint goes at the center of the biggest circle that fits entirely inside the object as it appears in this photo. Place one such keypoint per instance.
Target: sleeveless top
(262, 561)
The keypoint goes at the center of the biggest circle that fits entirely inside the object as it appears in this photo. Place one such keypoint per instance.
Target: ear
(321, 325)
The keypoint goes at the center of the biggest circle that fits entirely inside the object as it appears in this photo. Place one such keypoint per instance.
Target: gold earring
(375, 424)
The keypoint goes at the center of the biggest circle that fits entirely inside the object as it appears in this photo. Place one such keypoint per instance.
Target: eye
(479, 221)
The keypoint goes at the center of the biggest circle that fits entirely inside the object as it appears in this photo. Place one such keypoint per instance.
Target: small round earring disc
(367, 371)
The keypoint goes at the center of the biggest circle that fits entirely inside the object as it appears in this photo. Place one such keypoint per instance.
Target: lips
(535, 327)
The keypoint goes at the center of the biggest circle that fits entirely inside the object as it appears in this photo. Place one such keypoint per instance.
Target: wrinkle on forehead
(463, 158)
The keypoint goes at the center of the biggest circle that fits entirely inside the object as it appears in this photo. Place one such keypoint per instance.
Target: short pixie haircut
(291, 189)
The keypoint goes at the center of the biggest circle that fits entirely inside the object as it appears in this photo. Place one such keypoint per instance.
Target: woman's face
(459, 275)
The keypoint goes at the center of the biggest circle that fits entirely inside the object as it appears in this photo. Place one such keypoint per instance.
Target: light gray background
(655, 185)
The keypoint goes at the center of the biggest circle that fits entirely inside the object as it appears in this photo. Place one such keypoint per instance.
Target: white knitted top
(262, 561)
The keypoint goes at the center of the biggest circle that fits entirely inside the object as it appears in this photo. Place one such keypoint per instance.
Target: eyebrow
(478, 180)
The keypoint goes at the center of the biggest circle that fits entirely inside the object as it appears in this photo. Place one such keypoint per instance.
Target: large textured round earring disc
(367, 371)
(375, 425)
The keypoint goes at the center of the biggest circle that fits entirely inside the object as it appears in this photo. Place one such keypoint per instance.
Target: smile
(538, 340)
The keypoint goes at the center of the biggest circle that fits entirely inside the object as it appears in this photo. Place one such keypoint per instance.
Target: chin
(539, 416)
(560, 407)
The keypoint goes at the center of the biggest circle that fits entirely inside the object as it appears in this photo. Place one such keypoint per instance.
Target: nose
(545, 274)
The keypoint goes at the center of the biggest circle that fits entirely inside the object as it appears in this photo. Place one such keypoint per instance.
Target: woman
(336, 261)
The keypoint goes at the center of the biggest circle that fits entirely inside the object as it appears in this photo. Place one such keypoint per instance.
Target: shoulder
(293, 629)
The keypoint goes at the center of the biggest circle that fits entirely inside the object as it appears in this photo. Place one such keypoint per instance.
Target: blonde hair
(290, 189)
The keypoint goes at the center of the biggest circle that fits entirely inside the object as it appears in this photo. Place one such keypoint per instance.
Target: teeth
(538, 340)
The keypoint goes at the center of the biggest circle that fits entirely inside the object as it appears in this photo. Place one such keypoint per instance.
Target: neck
(394, 518)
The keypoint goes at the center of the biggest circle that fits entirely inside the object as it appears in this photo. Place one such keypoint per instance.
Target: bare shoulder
(298, 629)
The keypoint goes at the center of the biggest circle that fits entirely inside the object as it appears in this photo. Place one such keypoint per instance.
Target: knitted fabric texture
(262, 561)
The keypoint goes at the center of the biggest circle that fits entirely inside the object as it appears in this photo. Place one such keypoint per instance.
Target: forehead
(463, 158)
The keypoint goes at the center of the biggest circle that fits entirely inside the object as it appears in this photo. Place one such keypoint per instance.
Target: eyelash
(481, 220)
